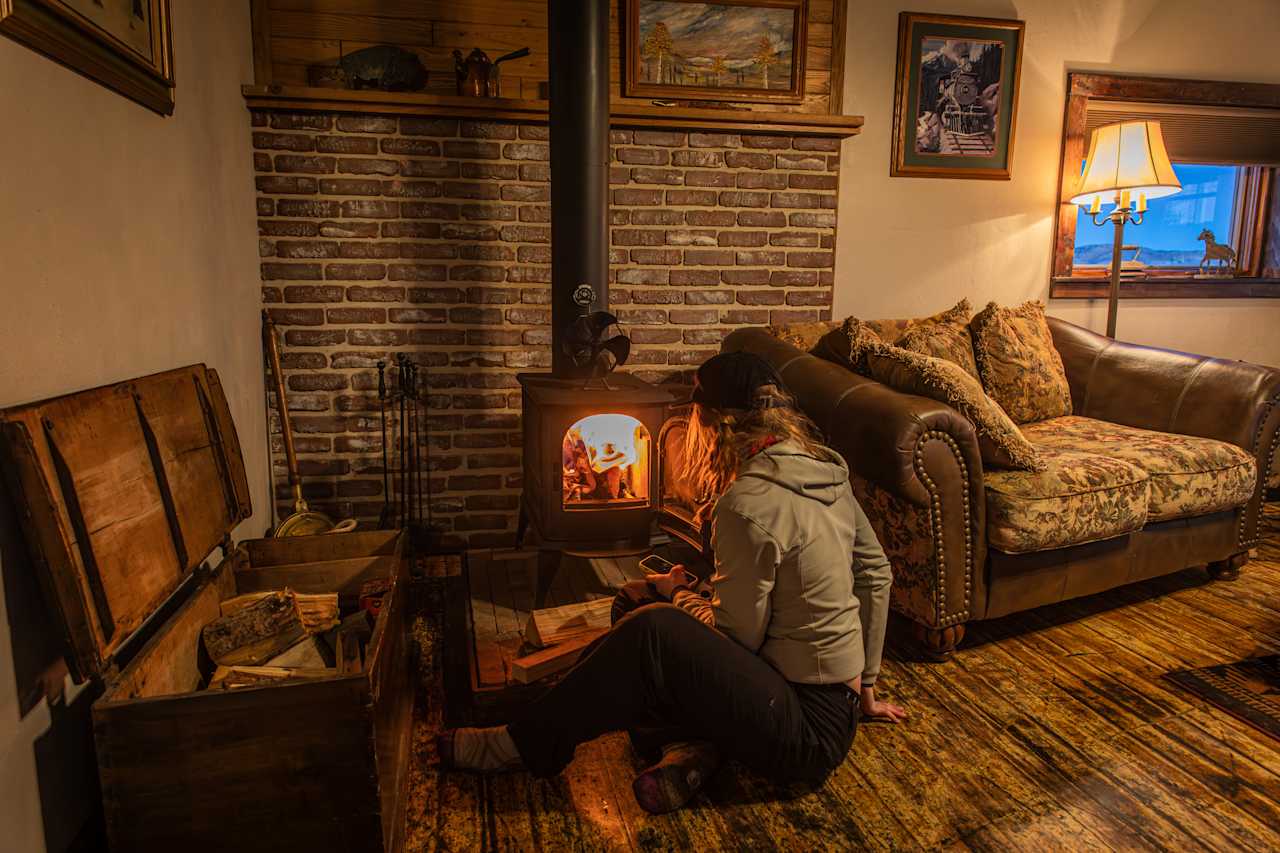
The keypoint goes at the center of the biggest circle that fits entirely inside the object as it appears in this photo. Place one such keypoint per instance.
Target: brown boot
(488, 750)
(677, 778)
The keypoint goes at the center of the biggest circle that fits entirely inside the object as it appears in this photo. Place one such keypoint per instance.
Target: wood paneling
(300, 33)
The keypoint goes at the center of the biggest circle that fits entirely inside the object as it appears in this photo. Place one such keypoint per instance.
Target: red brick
(804, 239)
(439, 337)
(708, 297)
(346, 145)
(493, 337)
(417, 272)
(493, 171)
(348, 229)
(350, 359)
(302, 360)
(813, 220)
(376, 337)
(762, 219)
(428, 210)
(304, 163)
(477, 272)
(715, 140)
(685, 277)
(471, 149)
(366, 124)
(266, 207)
(810, 259)
(710, 218)
(665, 138)
(287, 272)
(743, 238)
(283, 141)
(487, 130)
(525, 193)
(804, 200)
(700, 178)
(429, 251)
(808, 297)
(694, 316)
(706, 198)
(630, 195)
(486, 252)
(762, 181)
(318, 382)
(411, 147)
(535, 172)
(429, 168)
(435, 294)
(350, 186)
(284, 184)
(412, 189)
(745, 276)
(369, 209)
(761, 297)
(488, 295)
(657, 217)
(368, 250)
(367, 167)
(307, 208)
(412, 126)
(345, 316)
(793, 278)
(529, 316)
(312, 293)
(800, 161)
(526, 151)
(504, 212)
(355, 272)
(740, 198)
(301, 121)
(656, 256)
(644, 156)
(297, 316)
(813, 182)
(761, 258)
(816, 143)
(708, 257)
(745, 316)
(314, 338)
(298, 250)
(526, 234)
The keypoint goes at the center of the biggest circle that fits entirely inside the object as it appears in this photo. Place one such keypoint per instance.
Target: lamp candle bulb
(1142, 203)
(1096, 207)
(1124, 199)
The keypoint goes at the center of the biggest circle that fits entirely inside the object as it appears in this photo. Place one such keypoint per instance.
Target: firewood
(232, 677)
(550, 661)
(350, 655)
(554, 625)
(319, 611)
(304, 654)
(256, 633)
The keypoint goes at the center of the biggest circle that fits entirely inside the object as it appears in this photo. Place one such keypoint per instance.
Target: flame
(606, 459)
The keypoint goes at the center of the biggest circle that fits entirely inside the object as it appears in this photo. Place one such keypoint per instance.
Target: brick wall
(381, 234)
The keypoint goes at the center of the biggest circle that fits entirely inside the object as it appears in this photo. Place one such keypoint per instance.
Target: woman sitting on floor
(777, 667)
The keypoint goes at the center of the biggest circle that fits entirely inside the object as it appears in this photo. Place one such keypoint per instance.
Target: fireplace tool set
(402, 409)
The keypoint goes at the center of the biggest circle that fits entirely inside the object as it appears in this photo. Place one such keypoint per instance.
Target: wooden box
(126, 492)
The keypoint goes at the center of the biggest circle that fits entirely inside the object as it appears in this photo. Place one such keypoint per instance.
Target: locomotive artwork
(959, 102)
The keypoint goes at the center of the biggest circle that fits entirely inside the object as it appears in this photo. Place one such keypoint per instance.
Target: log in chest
(129, 495)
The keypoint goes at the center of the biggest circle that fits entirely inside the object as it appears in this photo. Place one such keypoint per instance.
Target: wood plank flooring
(1050, 730)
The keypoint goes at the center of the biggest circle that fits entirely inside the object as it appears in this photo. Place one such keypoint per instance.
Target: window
(1172, 234)
(1224, 141)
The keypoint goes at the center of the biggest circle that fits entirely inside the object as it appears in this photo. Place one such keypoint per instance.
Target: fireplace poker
(386, 470)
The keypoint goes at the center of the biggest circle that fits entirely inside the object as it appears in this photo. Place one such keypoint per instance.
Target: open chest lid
(124, 491)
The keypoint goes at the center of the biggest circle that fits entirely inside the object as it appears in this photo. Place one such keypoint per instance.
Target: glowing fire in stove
(606, 462)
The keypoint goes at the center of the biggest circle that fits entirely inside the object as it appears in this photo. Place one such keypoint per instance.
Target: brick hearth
(382, 234)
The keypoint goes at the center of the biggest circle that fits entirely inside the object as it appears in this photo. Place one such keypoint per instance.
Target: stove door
(678, 514)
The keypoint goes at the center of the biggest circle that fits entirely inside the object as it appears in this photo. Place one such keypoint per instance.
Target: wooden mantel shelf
(510, 109)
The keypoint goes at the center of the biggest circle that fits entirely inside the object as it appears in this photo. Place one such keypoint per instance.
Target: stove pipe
(578, 58)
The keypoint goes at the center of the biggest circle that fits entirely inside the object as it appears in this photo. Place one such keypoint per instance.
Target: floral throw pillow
(847, 345)
(1018, 364)
(801, 335)
(944, 336)
(1000, 441)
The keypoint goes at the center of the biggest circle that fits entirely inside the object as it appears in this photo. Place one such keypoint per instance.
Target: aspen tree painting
(733, 50)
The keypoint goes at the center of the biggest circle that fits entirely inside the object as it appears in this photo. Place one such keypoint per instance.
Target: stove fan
(596, 344)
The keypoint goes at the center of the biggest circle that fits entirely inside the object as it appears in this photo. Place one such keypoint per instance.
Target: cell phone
(655, 565)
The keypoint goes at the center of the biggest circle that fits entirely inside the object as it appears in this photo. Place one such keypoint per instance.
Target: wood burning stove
(590, 439)
(591, 460)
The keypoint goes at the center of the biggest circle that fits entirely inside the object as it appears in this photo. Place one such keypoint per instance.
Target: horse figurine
(1215, 251)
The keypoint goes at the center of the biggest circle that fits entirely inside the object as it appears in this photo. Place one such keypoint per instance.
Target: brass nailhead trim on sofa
(935, 526)
(1263, 474)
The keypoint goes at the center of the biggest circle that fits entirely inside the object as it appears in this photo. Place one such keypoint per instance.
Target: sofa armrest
(918, 471)
(1170, 391)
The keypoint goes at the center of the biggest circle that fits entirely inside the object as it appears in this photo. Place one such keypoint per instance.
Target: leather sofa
(945, 522)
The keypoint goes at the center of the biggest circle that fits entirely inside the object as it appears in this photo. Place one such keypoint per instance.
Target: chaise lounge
(1161, 465)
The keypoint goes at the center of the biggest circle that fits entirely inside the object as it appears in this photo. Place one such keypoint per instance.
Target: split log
(318, 611)
(256, 633)
(232, 677)
(349, 654)
(305, 654)
(550, 661)
(554, 625)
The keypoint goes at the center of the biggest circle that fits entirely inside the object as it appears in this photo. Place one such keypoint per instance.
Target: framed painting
(726, 50)
(956, 100)
(123, 44)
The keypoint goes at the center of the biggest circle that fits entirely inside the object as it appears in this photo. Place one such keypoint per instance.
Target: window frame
(1256, 223)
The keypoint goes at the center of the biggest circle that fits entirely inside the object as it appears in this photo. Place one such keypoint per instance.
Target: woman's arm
(872, 578)
(747, 560)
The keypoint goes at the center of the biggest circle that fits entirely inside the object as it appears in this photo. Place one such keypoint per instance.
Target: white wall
(911, 246)
(129, 246)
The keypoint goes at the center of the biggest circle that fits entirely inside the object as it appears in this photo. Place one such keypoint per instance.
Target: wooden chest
(127, 492)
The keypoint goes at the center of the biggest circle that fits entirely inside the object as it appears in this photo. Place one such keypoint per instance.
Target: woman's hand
(665, 585)
(874, 709)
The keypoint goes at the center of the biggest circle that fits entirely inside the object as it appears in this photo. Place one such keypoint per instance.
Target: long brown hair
(718, 441)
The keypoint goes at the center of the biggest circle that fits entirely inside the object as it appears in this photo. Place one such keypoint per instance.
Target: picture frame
(126, 45)
(956, 96)
(715, 50)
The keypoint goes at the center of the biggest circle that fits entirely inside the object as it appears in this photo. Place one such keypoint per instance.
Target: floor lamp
(1126, 162)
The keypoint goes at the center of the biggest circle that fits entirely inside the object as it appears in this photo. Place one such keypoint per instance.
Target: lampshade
(1129, 156)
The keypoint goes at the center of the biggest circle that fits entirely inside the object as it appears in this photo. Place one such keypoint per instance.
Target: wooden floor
(1049, 730)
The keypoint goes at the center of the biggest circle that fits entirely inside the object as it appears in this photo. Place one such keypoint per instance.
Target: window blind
(1201, 134)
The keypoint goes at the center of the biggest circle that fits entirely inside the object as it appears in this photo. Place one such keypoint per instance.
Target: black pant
(661, 668)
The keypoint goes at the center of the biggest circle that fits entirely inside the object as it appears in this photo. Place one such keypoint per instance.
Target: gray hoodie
(800, 577)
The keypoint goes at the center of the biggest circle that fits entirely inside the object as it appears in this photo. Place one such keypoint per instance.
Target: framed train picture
(956, 101)
(718, 50)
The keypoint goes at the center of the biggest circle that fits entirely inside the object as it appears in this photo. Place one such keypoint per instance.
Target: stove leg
(548, 565)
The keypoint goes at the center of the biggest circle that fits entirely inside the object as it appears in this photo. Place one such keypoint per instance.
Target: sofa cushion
(944, 336)
(1188, 475)
(999, 439)
(1018, 363)
(848, 343)
(1079, 497)
(803, 336)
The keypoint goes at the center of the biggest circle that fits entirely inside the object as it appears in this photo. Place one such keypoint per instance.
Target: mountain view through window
(1170, 235)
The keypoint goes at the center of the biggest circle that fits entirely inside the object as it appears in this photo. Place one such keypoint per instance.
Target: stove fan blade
(596, 342)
